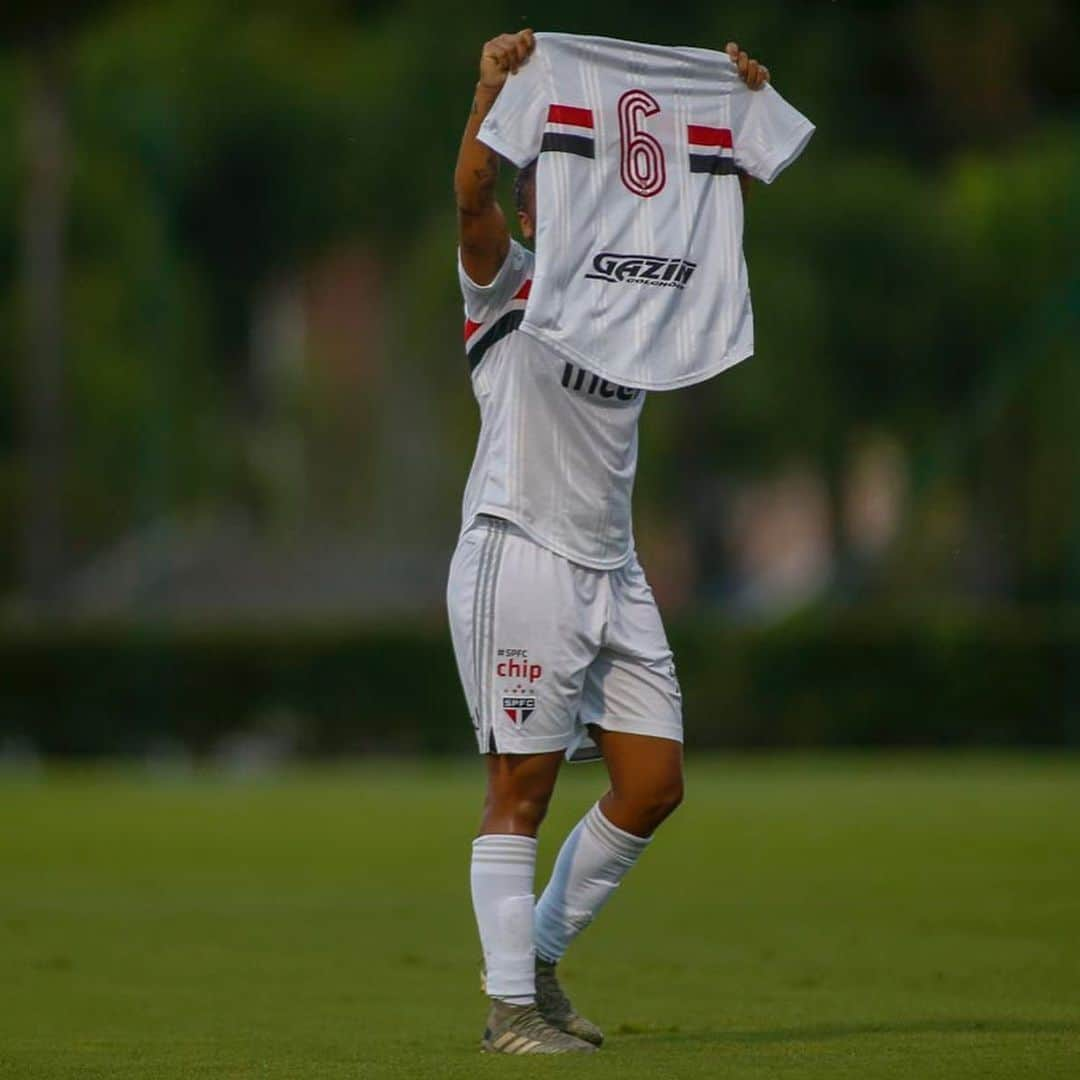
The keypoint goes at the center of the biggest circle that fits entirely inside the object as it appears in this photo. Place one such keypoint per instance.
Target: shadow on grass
(825, 1032)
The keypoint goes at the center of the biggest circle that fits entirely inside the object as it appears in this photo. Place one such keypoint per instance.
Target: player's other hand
(752, 73)
(503, 55)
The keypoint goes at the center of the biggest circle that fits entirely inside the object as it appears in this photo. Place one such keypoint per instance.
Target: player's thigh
(644, 768)
(525, 778)
(631, 685)
(518, 623)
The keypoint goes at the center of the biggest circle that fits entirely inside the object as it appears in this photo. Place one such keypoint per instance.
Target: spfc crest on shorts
(519, 709)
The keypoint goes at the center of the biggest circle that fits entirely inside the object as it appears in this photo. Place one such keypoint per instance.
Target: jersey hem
(568, 352)
(537, 538)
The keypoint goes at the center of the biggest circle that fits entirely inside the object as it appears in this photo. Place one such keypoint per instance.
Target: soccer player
(558, 640)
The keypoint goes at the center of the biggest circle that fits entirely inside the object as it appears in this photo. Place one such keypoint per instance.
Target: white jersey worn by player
(558, 445)
(640, 274)
(554, 626)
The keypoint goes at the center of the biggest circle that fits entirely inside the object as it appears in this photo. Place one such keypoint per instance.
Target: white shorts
(545, 646)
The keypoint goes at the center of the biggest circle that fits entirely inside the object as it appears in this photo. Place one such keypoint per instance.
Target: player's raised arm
(482, 233)
(755, 75)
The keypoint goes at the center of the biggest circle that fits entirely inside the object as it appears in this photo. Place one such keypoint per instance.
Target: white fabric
(590, 865)
(545, 647)
(558, 446)
(644, 285)
(502, 873)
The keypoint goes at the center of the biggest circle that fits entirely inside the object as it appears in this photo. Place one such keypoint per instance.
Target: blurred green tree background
(253, 338)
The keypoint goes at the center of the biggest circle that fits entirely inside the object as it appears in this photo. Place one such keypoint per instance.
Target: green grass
(829, 917)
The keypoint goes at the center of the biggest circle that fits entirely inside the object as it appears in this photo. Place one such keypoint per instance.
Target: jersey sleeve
(514, 127)
(484, 302)
(769, 134)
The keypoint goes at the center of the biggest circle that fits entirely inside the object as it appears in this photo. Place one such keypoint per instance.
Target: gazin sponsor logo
(642, 270)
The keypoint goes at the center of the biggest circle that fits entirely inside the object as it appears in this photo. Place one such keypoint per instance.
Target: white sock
(593, 860)
(503, 868)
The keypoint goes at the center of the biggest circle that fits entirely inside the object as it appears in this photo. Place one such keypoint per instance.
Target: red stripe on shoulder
(471, 328)
(701, 135)
(523, 292)
(570, 114)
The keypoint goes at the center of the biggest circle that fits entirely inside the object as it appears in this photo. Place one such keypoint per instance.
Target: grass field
(828, 917)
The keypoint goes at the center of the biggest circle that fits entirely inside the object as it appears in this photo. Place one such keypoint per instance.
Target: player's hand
(503, 55)
(752, 73)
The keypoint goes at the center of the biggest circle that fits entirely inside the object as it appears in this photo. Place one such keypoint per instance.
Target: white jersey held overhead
(640, 276)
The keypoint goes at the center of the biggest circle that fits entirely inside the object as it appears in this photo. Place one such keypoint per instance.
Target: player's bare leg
(519, 788)
(646, 786)
(646, 780)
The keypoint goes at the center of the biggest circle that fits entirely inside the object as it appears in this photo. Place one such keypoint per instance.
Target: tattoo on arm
(488, 173)
(477, 171)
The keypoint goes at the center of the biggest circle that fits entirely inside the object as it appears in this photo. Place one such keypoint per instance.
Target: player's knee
(668, 797)
(520, 810)
(661, 800)
(530, 810)
(650, 804)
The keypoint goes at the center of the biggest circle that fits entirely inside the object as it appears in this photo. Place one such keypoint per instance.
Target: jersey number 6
(642, 157)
